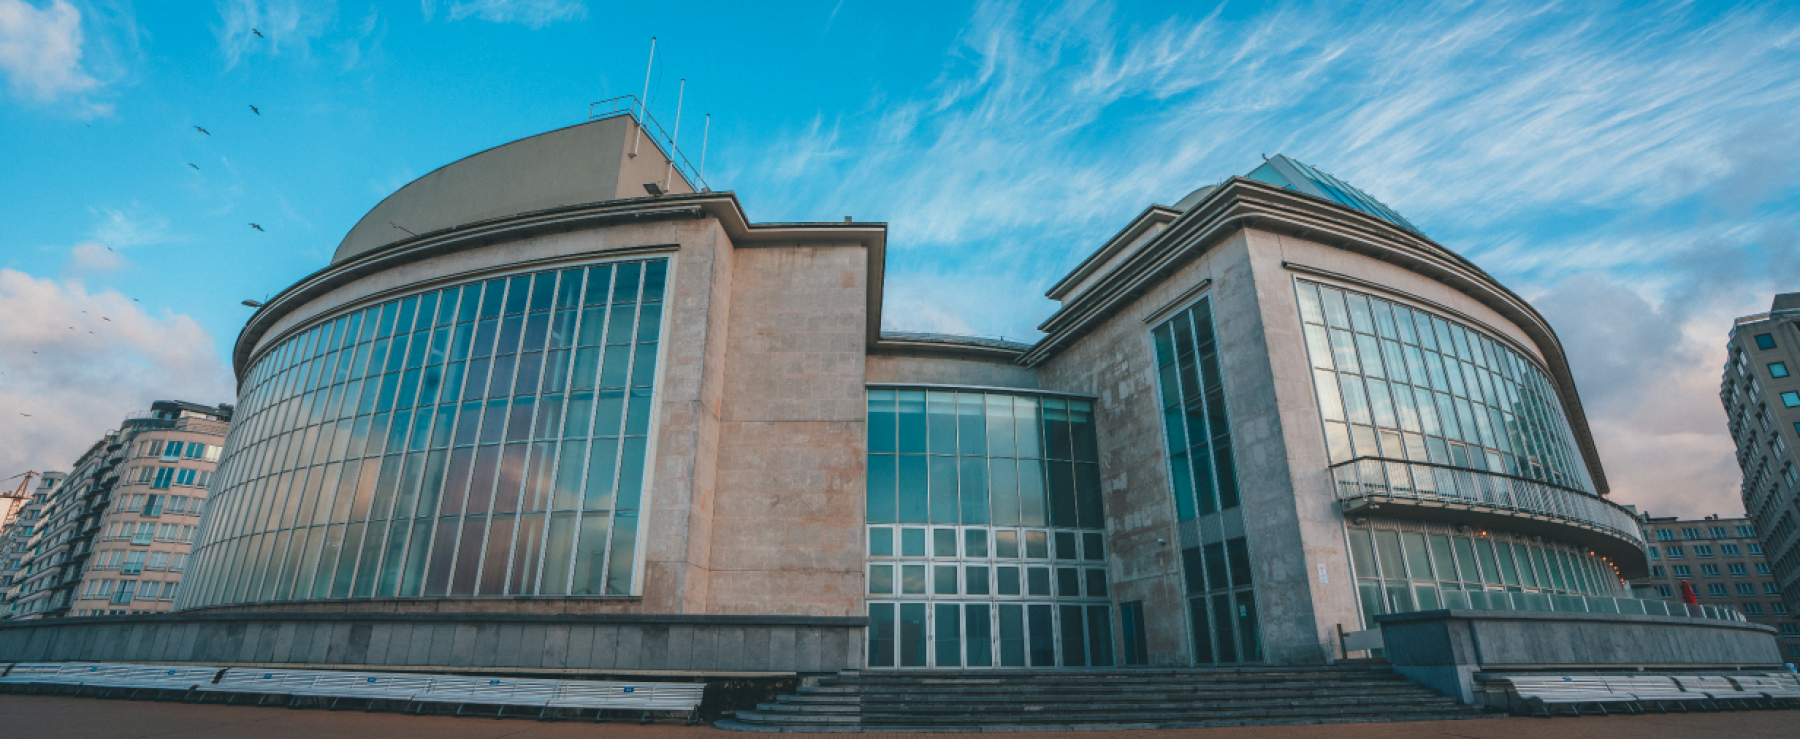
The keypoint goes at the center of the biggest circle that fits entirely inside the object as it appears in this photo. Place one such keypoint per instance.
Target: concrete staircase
(1038, 700)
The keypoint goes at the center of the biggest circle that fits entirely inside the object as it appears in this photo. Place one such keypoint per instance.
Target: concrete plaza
(77, 718)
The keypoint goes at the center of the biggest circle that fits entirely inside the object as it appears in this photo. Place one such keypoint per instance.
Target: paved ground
(75, 718)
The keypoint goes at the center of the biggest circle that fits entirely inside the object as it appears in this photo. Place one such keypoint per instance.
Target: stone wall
(787, 502)
(1444, 649)
(610, 644)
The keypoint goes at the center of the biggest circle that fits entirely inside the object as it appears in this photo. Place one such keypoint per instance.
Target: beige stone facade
(749, 489)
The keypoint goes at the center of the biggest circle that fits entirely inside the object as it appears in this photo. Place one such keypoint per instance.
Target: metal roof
(1292, 174)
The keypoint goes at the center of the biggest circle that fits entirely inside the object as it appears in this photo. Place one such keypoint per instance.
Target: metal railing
(1366, 477)
(658, 136)
(1495, 600)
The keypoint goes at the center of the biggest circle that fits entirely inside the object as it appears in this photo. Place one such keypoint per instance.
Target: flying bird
(27, 415)
(204, 131)
(258, 33)
(191, 164)
(254, 110)
(259, 228)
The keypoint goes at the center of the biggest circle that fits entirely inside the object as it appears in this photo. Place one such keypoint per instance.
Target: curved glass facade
(986, 543)
(488, 438)
(1405, 566)
(1399, 383)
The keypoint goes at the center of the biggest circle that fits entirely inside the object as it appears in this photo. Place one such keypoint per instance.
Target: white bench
(411, 688)
(260, 682)
(1720, 691)
(369, 686)
(26, 672)
(1648, 689)
(1567, 690)
(1776, 688)
(684, 697)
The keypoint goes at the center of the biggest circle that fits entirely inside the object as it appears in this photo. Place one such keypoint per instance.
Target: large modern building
(1725, 564)
(17, 530)
(562, 376)
(1762, 405)
(114, 537)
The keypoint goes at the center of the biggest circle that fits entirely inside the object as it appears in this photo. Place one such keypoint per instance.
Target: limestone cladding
(1114, 361)
(900, 366)
(1304, 591)
(788, 497)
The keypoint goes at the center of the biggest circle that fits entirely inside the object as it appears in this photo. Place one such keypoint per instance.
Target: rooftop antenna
(644, 102)
(669, 173)
(704, 130)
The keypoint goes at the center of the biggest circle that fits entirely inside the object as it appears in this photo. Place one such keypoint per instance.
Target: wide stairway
(1024, 700)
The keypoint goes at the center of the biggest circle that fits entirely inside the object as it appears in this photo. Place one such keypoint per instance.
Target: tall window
(986, 544)
(1197, 431)
(485, 439)
(1398, 383)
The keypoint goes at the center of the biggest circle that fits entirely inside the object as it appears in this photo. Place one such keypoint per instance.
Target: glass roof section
(1281, 171)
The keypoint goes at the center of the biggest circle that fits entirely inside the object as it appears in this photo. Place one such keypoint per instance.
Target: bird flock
(253, 109)
(202, 130)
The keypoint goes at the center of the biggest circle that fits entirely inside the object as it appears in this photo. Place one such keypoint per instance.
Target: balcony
(1373, 486)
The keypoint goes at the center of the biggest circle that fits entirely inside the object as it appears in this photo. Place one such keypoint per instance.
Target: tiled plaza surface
(77, 718)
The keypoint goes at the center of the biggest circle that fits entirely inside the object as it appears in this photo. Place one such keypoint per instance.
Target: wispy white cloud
(93, 257)
(41, 53)
(532, 13)
(77, 361)
(131, 226)
(362, 45)
(1649, 149)
(282, 25)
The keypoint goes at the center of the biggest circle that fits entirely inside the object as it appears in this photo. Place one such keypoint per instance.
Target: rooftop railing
(654, 131)
(1371, 477)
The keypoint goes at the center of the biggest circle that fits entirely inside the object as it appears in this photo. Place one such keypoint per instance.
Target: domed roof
(587, 163)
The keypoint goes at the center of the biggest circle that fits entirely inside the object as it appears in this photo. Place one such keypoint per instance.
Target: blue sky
(1629, 168)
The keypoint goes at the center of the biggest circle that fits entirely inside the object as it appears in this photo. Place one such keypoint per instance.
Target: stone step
(822, 722)
(1151, 717)
(966, 701)
(1036, 700)
(851, 699)
(1096, 681)
(1104, 707)
(815, 708)
(1122, 687)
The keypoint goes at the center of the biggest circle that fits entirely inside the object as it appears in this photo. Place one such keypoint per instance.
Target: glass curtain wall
(986, 531)
(1399, 383)
(484, 439)
(1197, 429)
(1405, 566)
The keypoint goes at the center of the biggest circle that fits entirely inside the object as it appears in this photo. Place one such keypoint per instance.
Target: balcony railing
(630, 105)
(1374, 477)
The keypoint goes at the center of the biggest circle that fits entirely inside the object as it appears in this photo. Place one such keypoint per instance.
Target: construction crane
(9, 511)
(24, 485)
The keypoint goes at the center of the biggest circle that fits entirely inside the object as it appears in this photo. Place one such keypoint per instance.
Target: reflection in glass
(444, 443)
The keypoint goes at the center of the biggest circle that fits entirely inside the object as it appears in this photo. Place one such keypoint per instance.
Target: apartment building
(1761, 396)
(115, 535)
(17, 528)
(1725, 563)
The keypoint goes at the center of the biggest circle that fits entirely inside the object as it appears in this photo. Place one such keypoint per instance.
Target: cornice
(722, 206)
(1242, 203)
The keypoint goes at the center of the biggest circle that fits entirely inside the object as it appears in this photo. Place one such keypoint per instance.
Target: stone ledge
(1489, 615)
(597, 618)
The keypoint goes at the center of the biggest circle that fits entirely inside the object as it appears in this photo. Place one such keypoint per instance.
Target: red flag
(1687, 594)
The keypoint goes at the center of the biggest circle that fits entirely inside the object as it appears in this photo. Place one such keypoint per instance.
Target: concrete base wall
(1444, 649)
(612, 644)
